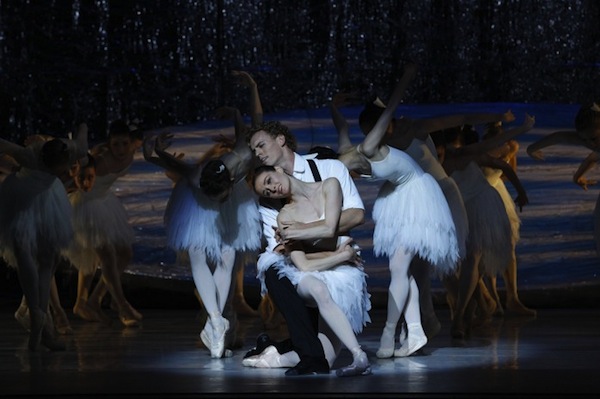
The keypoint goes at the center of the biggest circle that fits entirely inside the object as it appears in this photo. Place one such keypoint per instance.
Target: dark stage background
(168, 62)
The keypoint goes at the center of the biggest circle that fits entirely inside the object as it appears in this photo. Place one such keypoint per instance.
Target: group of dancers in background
(443, 210)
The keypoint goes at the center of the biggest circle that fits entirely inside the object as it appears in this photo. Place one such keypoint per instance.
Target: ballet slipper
(515, 308)
(206, 334)
(220, 329)
(88, 312)
(61, 323)
(415, 340)
(387, 342)
(360, 366)
(23, 318)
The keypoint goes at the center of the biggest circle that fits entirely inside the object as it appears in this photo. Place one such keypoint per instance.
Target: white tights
(311, 288)
(213, 288)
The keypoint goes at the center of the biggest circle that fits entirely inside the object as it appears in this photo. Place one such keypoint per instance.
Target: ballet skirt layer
(34, 208)
(423, 152)
(347, 285)
(411, 213)
(489, 226)
(193, 221)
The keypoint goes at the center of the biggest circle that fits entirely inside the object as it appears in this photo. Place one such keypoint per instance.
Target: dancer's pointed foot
(23, 318)
(387, 342)
(416, 340)
(61, 322)
(206, 334)
(360, 366)
(220, 327)
(88, 312)
(516, 308)
(127, 316)
(458, 329)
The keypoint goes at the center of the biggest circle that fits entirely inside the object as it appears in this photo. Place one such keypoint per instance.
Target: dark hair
(55, 153)
(470, 135)
(439, 138)
(586, 117)
(215, 178)
(274, 129)
(118, 127)
(323, 152)
(369, 116)
(261, 169)
(91, 162)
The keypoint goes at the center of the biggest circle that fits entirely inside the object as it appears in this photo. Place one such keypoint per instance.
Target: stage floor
(553, 355)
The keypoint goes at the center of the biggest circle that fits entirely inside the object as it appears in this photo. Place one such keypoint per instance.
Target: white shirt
(327, 168)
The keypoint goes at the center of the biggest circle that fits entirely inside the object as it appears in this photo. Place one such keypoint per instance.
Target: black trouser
(301, 320)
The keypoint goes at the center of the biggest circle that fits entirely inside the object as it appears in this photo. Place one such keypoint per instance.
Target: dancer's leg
(513, 303)
(415, 338)
(312, 288)
(419, 268)
(468, 279)
(397, 296)
(206, 286)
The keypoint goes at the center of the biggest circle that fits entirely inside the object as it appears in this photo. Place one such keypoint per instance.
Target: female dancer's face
(86, 178)
(120, 146)
(272, 185)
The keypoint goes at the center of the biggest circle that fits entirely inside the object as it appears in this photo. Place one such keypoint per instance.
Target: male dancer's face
(268, 149)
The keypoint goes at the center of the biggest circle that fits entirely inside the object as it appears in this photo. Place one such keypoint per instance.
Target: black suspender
(315, 171)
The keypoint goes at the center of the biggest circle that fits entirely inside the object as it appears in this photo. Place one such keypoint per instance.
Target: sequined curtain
(169, 62)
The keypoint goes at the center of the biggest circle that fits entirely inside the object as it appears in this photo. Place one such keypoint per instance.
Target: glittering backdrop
(168, 62)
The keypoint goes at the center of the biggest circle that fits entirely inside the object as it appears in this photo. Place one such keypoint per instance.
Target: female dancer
(489, 241)
(35, 216)
(103, 234)
(212, 215)
(334, 281)
(413, 137)
(494, 176)
(586, 134)
(411, 217)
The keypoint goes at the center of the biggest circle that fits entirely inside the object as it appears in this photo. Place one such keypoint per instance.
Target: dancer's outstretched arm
(341, 125)
(421, 128)
(256, 110)
(569, 137)
(371, 143)
(512, 177)
(492, 143)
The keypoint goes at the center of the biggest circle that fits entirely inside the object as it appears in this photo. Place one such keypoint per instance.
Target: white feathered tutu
(33, 206)
(346, 284)
(411, 213)
(489, 227)
(424, 153)
(192, 220)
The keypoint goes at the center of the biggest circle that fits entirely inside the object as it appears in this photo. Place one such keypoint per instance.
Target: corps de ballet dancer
(212, 214)
(411, 216)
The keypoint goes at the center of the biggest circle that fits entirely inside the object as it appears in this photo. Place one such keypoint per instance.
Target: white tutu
(33, 206)
(423, 152)
(346, 284)
(411, 213)
(192, 220)
(100, 220)
(489, 227)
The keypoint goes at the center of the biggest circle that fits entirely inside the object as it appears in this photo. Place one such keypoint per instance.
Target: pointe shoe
(360, 366)
(22, 317)
(514, 308)
(206, 334)
(386, 344)
(416, 339)
(217, 346)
